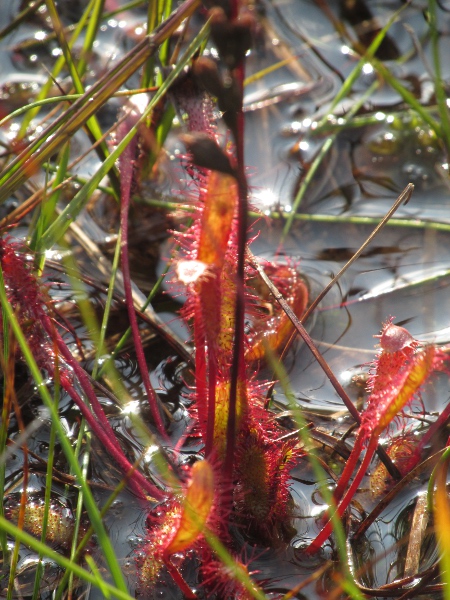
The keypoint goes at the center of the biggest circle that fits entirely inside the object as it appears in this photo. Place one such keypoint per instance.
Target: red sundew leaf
(26, 295)
(403, 454)
(400, 388)
(276, 331)
(60, 526)
(397, 379)
(263, 466)
(198, 502)
(394, 338)
(221, 412)
(220, 202)
(212, 296)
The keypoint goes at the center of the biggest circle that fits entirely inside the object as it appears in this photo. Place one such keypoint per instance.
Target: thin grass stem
(402, 199)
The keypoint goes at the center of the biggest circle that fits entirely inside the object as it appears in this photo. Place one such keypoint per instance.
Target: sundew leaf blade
(413, 378)
(198, 502)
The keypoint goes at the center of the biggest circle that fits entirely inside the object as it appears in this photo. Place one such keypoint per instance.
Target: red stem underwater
(126, 178)
(177, 577)
(350, 466)
(102, 427)
(328, 529)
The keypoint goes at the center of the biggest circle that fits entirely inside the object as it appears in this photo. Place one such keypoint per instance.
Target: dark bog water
(404, 273)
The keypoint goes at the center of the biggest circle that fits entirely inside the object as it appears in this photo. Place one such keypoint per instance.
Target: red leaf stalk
(126, 162)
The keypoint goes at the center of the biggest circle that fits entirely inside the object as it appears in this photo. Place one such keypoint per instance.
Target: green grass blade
(76, 115)
(48, 206)
(91, 33)
(106, 312)
(61, 560)
(62, 223)
(406, 95)
(441, 95)
(21, 17)
(347, 86)
(76, 72)
(59, 65)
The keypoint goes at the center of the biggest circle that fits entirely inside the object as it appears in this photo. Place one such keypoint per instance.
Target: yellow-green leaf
(198, 503)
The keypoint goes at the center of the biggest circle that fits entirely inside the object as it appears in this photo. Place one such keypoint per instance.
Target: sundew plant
(224, 276)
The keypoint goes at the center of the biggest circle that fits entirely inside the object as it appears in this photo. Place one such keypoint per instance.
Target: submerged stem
(326, 531)
(126, 163)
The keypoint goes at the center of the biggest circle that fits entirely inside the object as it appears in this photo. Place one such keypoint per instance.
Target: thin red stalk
(237, 370)
(350, 466)
(177, 577)
(126, 178)
(327, 530)
(79, 372)
(102, 427)
(136, 480)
